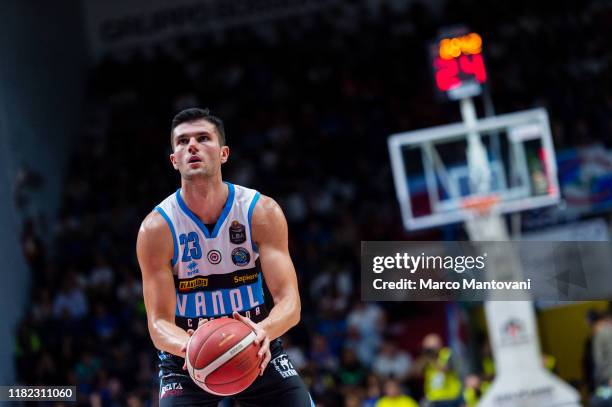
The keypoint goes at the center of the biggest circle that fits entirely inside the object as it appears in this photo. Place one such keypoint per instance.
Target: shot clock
(458, 65)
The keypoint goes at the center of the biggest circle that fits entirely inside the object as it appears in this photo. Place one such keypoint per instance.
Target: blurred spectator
(27, 181)
(27, 350)
(394, 397)
(46, 370)
(321, 355)
(474, 388)
(365, 323)
(602, 348)
(129, 291)
(298, 360)
(87, 367)
(333, 327)
(603, 396)
(549, 362)
(373, 391)
(332, 289)
(391, 362)
(441, 382)
(103, 322)
(42, 306)
(487, 365)
(101, 274)
(70, 300)
(33, 249)
(352, 400)
(351, 371)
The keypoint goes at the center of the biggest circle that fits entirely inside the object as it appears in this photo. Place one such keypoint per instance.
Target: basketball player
(198, 252)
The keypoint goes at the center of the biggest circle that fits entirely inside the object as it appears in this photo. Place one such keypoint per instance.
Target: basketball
(222, 356)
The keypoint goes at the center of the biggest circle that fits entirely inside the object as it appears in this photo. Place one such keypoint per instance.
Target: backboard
(432, 177)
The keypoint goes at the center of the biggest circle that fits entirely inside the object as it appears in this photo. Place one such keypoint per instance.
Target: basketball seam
(211, 334)
(191, 369)
(238, 378)
(242, 343)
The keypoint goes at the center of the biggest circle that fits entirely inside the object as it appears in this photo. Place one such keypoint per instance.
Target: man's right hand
(190, 333)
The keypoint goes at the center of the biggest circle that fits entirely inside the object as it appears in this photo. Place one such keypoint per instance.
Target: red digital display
(458, 65)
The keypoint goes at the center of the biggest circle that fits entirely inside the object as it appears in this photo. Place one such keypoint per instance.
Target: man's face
(392, 389)
(197, 151)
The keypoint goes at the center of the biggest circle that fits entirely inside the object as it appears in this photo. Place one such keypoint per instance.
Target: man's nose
(193, 144)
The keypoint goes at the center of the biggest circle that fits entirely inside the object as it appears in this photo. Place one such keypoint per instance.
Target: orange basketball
(222, 356)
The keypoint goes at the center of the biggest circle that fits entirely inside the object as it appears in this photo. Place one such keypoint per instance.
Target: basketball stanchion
(467, 177)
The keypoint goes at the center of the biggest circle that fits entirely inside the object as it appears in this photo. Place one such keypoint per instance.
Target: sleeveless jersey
(215, 271)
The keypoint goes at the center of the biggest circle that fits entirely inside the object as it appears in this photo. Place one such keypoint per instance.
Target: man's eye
(183, 141)
(203, 138)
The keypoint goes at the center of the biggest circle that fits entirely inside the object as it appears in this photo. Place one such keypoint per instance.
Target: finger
(261, 336)
(184, 348)
(245, 320)
(185, 360)
(202, 322)
(239, 317)
(190, 332)
(265, 362)
(264, 347)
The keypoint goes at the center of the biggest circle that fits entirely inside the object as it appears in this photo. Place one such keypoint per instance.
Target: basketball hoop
(484, 222)
(480, 205)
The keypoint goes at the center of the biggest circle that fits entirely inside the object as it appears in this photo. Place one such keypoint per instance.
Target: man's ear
(224, 154)
(173, 161)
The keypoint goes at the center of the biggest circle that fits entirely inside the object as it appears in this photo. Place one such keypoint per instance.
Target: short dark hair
(193, 114)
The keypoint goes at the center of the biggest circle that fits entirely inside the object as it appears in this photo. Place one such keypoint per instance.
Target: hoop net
(484, 223)
(480, 205)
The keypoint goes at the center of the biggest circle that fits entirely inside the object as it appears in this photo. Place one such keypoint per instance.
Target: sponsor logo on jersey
(249, 278)
(241, 256)
(239, 277)
(193, 269)
(214, 256)
(237, 233)
(171, 389)
(220, 302)
(192, 284)
(283, 366)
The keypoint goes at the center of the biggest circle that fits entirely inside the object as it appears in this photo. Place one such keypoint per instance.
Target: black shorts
(279, 386)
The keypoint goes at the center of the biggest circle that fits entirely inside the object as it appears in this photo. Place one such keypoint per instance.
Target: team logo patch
(240, 256)
(214, 256)
(237, 233)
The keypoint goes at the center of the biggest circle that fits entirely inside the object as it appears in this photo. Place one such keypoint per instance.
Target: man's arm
(270, 233)
(154, 249)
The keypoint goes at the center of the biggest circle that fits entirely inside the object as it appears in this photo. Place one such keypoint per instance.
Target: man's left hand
(262, 339)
